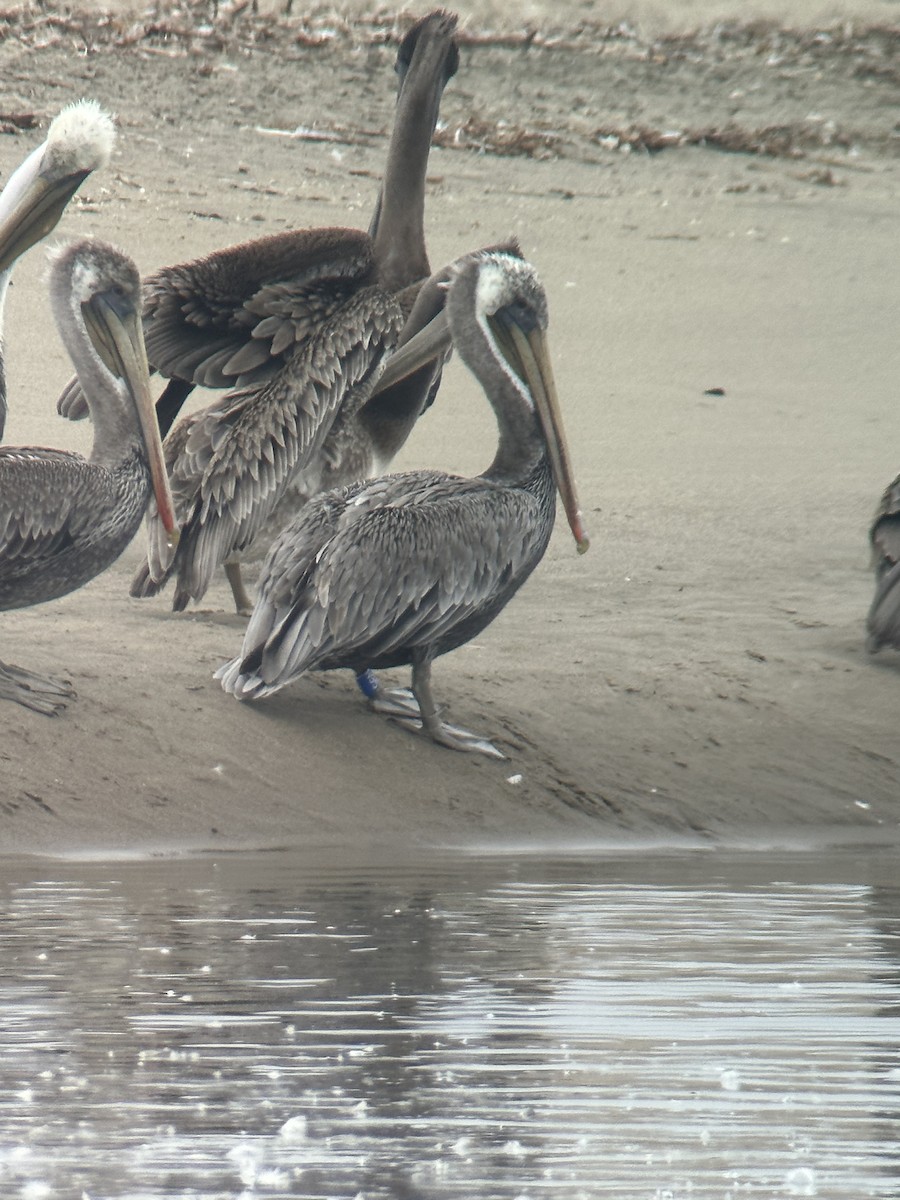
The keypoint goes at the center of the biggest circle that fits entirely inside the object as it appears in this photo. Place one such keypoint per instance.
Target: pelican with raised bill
(298, 324)
(398, 570)
(64, 518)
(80, 140)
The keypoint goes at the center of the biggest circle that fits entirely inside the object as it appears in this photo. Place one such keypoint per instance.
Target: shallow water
(510, 1027)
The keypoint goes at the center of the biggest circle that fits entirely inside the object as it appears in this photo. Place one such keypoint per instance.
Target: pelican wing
(884, 533)
(46, 504)
(235, 459)
(398, 564)
(234, 316)
(883, 619)
(420, 562)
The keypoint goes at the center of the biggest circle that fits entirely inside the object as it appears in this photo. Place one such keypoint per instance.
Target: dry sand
(701, 673)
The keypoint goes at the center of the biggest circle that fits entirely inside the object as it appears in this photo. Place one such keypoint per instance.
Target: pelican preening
(299, 323)
(401, 569)
(277, 441)
(80, 140)
(63, 518)
(883, 620)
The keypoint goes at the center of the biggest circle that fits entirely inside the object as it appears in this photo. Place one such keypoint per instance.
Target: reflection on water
(497, 1027)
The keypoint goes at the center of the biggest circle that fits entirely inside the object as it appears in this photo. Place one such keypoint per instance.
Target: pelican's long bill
(36, 212)
(115, 330)
(430, 343)
(526, 352)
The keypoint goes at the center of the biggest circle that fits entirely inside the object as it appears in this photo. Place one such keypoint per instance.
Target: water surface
(662, 1028)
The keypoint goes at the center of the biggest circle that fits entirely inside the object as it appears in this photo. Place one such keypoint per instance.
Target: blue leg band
(368, 684)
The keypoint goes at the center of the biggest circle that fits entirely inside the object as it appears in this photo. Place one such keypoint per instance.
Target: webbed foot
(451, 736)
(416, 711)
(41, 693)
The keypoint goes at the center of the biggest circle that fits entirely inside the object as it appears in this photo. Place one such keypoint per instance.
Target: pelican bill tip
(582, 541)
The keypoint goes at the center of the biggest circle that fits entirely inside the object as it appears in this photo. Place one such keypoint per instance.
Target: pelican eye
(519, 313)
(117, 298)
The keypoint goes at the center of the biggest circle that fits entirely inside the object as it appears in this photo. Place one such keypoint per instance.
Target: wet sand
(724, 334)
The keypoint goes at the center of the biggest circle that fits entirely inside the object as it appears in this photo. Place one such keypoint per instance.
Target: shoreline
(701, 673)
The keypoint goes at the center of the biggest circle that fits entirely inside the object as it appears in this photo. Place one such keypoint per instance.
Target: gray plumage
(63, 518)
(402, 569)
(236, 317)
(883, 620)
(382, 571)
(247, 449)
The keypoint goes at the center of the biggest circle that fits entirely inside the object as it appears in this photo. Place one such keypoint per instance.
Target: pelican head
(502, 292)
(511, 304)
(95, 291)
(440, 21)
(80, 139)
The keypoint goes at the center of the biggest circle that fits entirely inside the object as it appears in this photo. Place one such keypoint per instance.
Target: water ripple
(510, 1029)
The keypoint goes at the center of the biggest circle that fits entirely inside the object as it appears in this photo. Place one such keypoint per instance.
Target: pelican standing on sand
(401, 569)
(63, 518)
(883, 620)
(300, 322)
(80, 140)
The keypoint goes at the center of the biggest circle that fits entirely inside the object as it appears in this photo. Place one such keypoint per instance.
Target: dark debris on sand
(755, 88)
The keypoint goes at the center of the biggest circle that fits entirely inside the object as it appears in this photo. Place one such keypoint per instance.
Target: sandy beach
(713, 211)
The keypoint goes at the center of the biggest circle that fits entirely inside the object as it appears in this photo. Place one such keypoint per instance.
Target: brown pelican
(63, 518)
(883, 621)
(401, 569)
(299, 323)
(80, 140)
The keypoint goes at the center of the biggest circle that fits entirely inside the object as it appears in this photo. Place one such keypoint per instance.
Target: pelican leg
(42, 693)
(440, 731)
(243, 602)
(399, 703)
